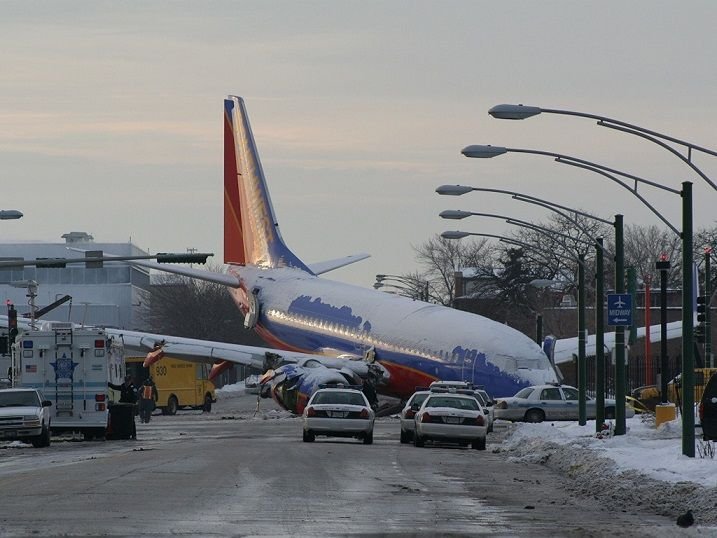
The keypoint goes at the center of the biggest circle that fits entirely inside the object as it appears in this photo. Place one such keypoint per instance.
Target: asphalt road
(230, 473)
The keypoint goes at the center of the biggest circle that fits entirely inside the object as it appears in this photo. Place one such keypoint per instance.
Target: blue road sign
(619, 309)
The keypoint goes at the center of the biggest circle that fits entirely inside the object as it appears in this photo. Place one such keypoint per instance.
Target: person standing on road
(147, 398)
(128, 392)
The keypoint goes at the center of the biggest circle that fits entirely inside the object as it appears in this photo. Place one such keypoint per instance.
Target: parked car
(24, 416)
(451, 417)
(550, 402)
(488, 406)
(483, 398)
(338, 412)
(408, 413)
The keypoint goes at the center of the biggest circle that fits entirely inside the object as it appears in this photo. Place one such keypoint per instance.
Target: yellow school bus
(179, 383)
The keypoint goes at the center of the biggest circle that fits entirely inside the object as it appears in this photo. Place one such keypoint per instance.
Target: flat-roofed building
(114, 295)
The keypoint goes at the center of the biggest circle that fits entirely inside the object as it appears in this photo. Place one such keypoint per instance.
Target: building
(115, 295)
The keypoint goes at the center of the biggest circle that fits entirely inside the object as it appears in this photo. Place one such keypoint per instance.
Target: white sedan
(408, 414)
(338, 412)
(550, 402)
(451, 417)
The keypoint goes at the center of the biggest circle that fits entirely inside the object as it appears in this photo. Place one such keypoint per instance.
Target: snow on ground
(642, 470)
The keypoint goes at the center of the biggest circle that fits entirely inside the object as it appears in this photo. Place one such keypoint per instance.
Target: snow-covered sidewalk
(643, 470)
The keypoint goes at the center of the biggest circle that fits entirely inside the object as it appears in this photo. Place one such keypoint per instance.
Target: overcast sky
(111, 115)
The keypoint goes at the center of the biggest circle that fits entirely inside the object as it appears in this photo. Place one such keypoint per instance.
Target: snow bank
(644, 469)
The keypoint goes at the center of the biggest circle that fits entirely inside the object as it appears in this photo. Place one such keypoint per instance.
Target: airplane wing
(193, 349)
(566, 348)
(319, 268)
(210, 276)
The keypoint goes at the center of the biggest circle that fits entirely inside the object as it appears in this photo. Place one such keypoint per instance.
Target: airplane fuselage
(416, 342)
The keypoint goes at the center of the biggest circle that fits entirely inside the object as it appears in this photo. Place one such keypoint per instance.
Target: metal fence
(638, 373)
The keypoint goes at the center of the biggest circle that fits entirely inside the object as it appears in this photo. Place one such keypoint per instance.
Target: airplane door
(253, 315)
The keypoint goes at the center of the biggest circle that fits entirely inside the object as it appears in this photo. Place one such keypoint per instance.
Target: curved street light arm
(687, 160)
(595, 165)
(545, 231)
(547, 205)
(621, 183)
(512, 241)
(603, 121)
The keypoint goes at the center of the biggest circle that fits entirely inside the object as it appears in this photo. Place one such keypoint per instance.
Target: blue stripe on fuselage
(472, 366)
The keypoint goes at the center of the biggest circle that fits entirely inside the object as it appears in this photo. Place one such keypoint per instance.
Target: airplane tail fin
(251, 233)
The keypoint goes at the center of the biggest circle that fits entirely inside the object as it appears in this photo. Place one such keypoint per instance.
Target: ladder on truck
(64, 373)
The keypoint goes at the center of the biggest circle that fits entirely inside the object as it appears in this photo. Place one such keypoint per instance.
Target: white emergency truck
(72, 367)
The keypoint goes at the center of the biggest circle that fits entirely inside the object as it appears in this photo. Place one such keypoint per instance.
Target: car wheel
(172, 405)
(405, 438)
(534, 415)
(418, 440)
(43, 439)
(368, 438)
(610, 413)
(309, 436)
(479, 444)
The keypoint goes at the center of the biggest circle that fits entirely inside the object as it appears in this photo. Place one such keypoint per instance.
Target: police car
(408, 414)
(453, 416)
(338, 411)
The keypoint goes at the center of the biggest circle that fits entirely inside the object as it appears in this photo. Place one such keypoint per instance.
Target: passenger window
(551, 394)
(570, 394)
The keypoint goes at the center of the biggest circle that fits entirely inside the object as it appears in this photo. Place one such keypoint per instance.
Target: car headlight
(31, 421)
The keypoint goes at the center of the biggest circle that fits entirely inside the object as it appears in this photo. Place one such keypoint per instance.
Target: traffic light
(165, 257)
(702, 308)
(700, 334)
(41, 263)
(12, 323)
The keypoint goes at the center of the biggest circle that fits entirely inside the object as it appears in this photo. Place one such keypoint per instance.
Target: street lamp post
(708, 315)
(516, 112)
(663, 265)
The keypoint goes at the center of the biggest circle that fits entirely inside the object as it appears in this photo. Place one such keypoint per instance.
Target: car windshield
(524, 393)
(418, 399)
(485, 395)
(480, 398)
(455, 403)
(24, 398)
(336, 397)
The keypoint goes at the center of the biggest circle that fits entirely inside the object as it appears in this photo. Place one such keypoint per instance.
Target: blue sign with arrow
(619, 309)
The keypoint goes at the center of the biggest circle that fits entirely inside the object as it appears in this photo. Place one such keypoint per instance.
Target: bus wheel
(207, 408)
(172, 405)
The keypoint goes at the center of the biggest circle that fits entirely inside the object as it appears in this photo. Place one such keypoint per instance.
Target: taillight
(702, 411)
(99, 397)
(425, 417)
(364, 413)
(410, 413)
(501, 405)
(310, 412)
(99, 407)
(479, 420)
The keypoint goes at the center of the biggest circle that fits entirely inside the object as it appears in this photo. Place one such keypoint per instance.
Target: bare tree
(441, 258)
(182, 306)
(644, 245)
